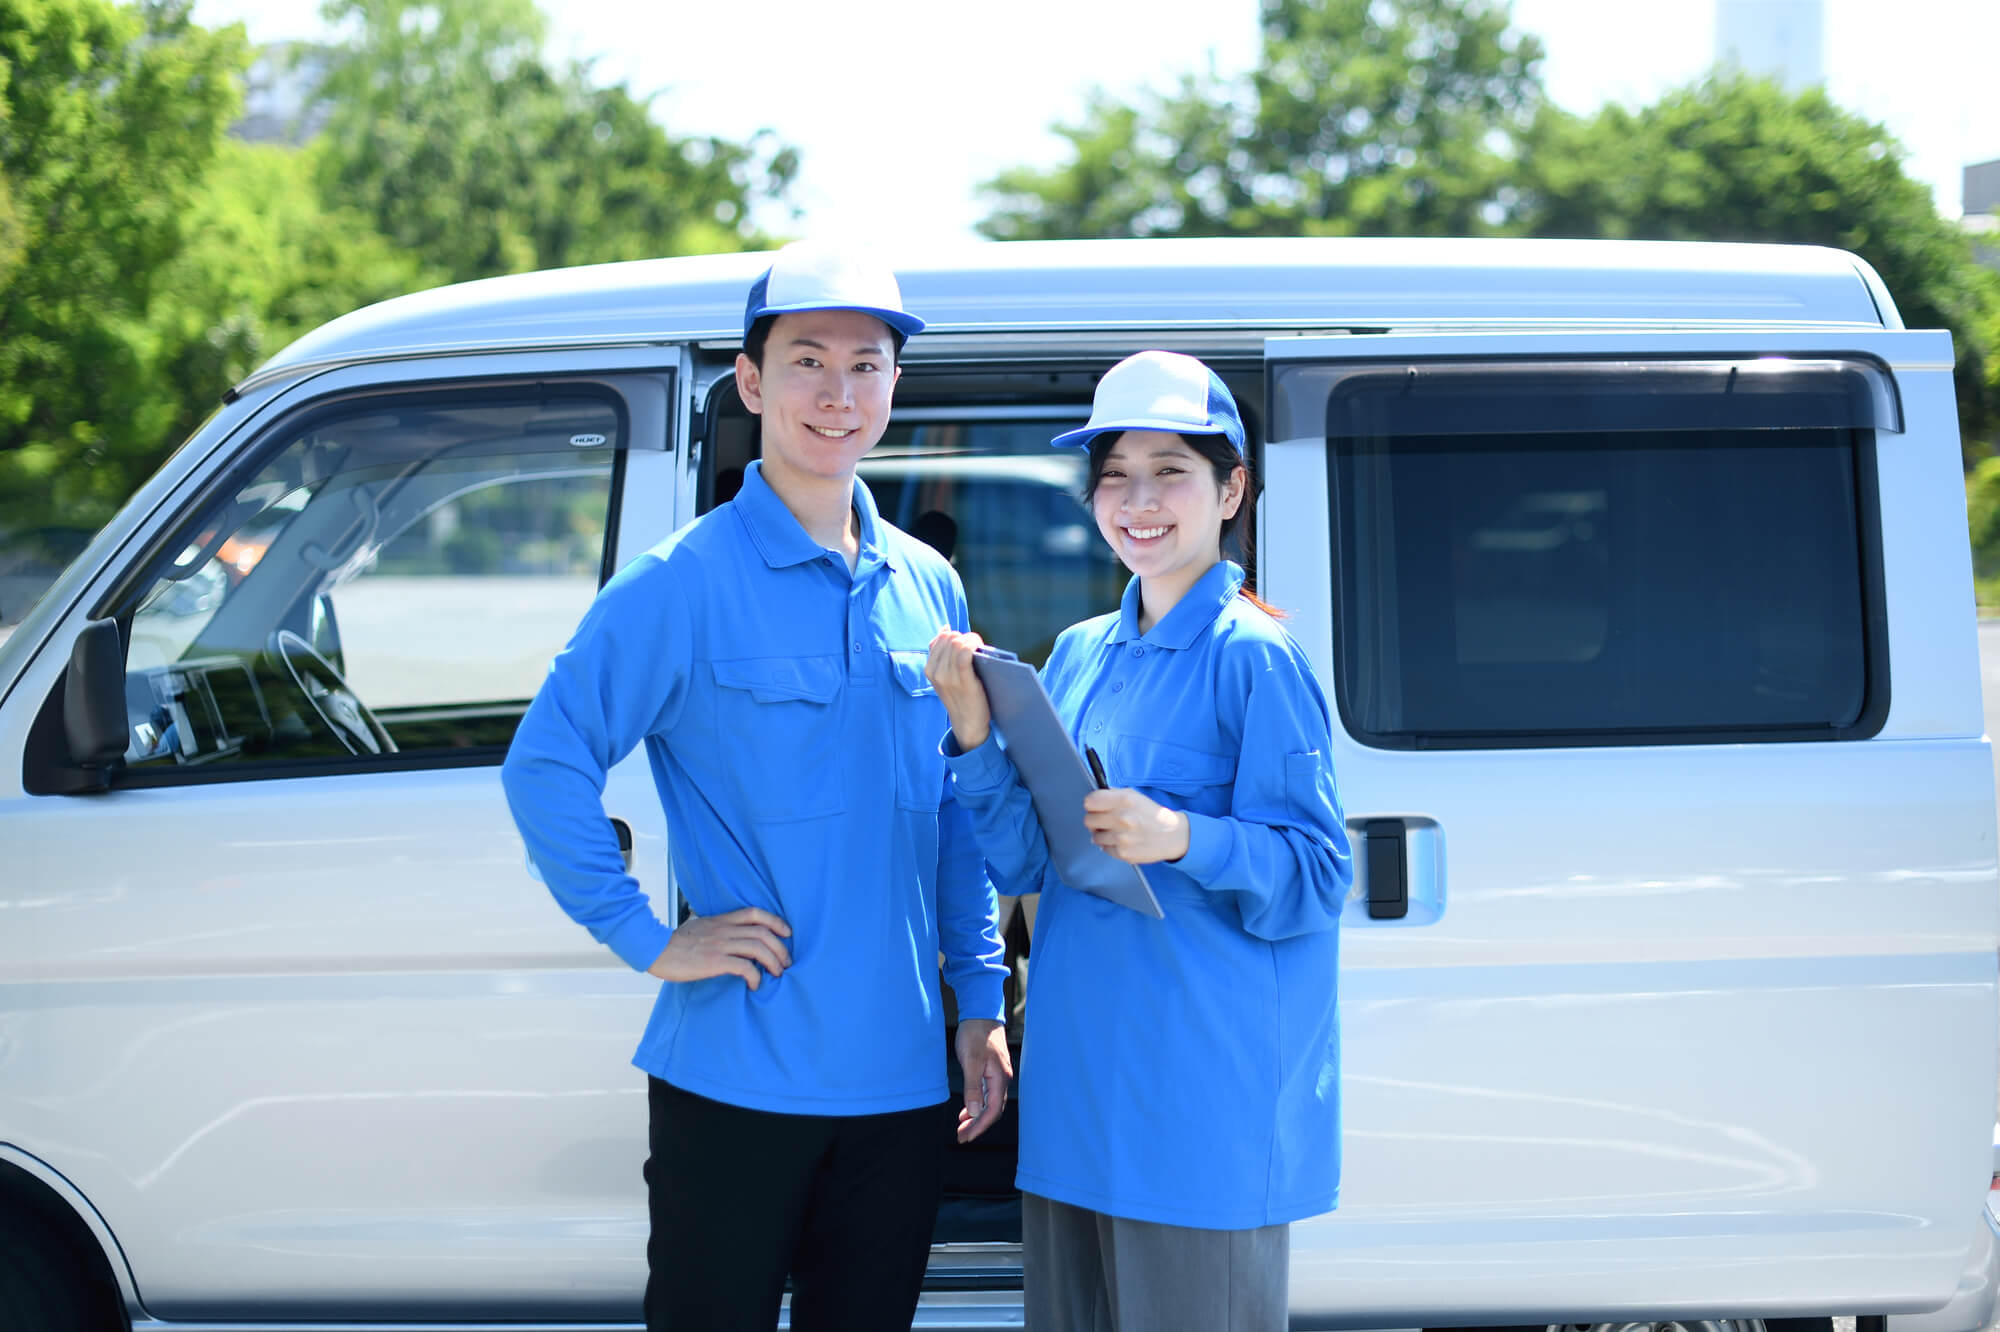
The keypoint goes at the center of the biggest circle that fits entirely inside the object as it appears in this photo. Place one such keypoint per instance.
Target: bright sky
(901, 108)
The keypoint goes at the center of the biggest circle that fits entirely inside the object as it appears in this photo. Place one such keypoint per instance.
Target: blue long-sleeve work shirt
(1185, 1070)
(793, 739)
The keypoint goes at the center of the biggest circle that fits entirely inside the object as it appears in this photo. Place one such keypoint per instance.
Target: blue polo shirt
(1185, 1070)
(793, 739)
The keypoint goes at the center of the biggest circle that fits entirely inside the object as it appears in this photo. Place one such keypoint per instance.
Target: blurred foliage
(110, 117)
(469, 149)
(1375, 117)
(1427, 117)
(1736, 159)
(264, 261)
(1982, 508)
(148, 261)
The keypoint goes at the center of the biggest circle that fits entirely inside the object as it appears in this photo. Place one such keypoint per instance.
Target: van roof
(1240, 284)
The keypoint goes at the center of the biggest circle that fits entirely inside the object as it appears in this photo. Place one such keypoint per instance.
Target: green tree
(1982, 510)
(262, 262)
(1364, 116)
(466, 147)
(1426, 117)
(110, 115)
(1739, 159)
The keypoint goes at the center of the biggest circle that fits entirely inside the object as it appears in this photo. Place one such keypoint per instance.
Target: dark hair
(1223, 458)
(760, 332)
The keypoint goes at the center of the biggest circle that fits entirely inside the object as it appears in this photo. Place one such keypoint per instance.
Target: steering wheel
(344, 714)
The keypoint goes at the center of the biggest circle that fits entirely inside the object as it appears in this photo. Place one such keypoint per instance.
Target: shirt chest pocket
(920, 725)
(779, 716)
(1191, 778)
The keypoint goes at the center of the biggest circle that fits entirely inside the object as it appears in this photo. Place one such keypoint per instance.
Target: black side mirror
(94, 699)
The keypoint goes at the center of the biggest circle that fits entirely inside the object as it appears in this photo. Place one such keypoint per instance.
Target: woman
(1182, 1076)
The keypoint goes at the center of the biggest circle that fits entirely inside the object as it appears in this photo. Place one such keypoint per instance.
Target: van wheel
(46, 1286)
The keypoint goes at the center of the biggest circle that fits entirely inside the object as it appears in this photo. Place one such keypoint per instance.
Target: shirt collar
(783, 542)
(873, 532)
(1191, 615)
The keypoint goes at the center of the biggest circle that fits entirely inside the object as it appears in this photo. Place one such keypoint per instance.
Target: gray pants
(1088, 1272)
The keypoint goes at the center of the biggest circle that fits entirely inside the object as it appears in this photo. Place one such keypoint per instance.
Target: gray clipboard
(1057, 782)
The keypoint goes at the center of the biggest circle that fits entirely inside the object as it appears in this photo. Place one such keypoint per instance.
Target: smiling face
(823, 391)
(1159, 505)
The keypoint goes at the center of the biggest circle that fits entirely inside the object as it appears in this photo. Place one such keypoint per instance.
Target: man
(770, 657)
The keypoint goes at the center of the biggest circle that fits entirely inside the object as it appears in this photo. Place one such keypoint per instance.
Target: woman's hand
(949, 667)
(1137, 830)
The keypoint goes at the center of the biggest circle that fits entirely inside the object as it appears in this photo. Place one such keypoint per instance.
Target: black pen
(1096, 768)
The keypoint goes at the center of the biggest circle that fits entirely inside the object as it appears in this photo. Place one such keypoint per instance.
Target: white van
(1640, 576)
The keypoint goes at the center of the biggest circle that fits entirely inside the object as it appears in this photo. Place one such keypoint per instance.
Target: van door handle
(623, 830)
(1388, 869)
(624, 834)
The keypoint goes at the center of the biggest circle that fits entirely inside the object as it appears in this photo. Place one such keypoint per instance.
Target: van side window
(1565, 555)
(391, 580)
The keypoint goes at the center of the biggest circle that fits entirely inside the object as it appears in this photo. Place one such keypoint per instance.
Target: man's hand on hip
(746, 942)
(989, 1071)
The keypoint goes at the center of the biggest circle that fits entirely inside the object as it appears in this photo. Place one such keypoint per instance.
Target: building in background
(1982, 193)
(1782, 40)
(278, 94)
(1981, 196)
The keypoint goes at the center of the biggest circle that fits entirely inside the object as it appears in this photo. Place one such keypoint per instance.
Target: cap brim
(906, 324)
(1082, 438)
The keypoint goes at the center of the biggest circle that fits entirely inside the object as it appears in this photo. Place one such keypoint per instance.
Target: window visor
(1486, 398)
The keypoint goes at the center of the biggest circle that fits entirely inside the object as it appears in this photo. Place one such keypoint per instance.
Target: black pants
(740, 1198)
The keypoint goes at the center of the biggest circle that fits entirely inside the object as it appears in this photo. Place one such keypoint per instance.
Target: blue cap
(804, 276)
(1159, 390)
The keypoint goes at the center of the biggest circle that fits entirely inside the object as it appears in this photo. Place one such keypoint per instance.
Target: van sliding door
(1669, 984)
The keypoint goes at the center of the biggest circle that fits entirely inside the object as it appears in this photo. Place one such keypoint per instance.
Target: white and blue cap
(1159, 390)
(806, 276)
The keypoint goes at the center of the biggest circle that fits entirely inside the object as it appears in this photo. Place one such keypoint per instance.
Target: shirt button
(1120, 685)
(1138, 652)
(857, 647)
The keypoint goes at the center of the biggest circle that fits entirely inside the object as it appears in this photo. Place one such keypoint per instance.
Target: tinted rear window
(1576, 586)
